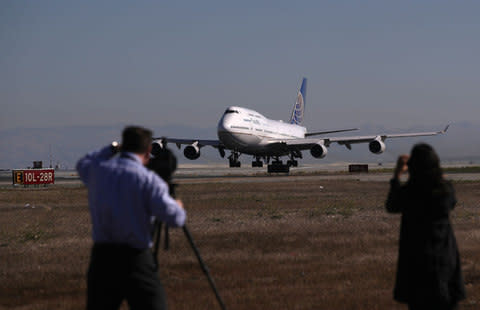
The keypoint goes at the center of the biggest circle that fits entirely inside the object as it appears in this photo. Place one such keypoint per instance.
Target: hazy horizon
(65, 145)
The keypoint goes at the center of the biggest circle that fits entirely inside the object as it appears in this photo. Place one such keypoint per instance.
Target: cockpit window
(230, 111)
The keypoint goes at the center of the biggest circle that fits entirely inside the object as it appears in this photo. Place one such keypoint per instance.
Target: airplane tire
(292, 163)
(276, 168)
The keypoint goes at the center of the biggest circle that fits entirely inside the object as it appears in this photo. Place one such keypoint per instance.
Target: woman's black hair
(424, 168)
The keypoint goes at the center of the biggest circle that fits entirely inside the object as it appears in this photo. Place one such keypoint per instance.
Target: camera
(164, 163)
(115, 147)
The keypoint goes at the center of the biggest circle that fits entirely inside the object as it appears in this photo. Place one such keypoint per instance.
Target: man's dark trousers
(119, 272)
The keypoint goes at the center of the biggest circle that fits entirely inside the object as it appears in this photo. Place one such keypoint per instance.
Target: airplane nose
(222, 124)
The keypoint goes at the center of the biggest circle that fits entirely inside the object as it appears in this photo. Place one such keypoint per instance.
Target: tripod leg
(156, 235)
(167, 239)
(203, 266)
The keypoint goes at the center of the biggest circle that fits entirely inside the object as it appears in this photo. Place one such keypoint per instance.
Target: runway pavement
(362, 177)
(221, 173)
(186, 174)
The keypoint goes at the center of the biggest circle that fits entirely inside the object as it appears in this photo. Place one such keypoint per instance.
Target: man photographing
(123, 196)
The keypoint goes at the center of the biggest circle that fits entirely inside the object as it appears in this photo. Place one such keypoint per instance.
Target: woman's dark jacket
(428, 259)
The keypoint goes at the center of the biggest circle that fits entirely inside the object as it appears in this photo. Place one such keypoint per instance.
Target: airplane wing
(364, 139)
(179, 142)
(309, 134)
(192, 150)
(281, 147)
(304, 144)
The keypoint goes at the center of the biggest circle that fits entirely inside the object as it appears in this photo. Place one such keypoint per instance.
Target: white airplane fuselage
(247, 131)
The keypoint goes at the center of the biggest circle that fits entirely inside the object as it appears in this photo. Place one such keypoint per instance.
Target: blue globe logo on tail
(299, 107)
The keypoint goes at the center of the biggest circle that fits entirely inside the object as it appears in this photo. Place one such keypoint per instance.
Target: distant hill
(64, 145)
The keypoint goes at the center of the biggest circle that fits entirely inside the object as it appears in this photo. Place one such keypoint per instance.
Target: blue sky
(155, 63)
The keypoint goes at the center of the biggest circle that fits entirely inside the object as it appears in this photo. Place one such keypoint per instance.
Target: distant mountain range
(63, 146)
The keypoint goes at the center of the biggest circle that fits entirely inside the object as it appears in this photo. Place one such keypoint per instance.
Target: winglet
(445, 130)
(299, 106)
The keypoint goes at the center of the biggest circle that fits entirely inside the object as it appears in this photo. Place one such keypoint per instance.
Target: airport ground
(320, 241)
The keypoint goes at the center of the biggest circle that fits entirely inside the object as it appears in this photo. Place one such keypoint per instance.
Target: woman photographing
(428, 272)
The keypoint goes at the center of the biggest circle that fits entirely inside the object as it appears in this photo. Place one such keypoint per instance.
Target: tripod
(164, 164)
(157, 236)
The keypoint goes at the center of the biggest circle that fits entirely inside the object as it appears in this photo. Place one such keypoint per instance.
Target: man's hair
(136, 139)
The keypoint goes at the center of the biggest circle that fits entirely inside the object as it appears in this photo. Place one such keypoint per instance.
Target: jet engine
(192, 152)
(319, 150)
(376, 146)
(156, 148)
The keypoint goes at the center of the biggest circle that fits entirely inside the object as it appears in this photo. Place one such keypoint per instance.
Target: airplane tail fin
(299, 106)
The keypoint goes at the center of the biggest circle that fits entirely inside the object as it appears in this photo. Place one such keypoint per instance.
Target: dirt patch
(274, 245)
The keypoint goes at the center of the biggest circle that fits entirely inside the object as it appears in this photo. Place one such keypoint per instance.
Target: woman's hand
(402, 166)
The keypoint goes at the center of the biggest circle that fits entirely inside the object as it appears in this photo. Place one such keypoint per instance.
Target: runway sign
(33, 176)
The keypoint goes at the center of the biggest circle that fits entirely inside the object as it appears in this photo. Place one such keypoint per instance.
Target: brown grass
(279, 245)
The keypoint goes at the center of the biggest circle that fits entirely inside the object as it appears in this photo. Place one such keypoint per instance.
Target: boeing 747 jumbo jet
(244, 131)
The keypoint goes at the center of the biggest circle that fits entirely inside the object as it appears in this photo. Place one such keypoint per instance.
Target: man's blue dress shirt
(123, 196)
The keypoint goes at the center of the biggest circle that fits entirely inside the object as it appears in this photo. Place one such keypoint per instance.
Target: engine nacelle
(376, 146)
(191, 152)
(319, 151)
(157, 147)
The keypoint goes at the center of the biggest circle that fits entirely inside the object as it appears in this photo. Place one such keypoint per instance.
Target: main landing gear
(277, 166)
(257, 162)
(295, 154)
(292, 163)
(233, 160)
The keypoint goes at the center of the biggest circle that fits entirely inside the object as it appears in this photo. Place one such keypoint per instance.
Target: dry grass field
(325, 244)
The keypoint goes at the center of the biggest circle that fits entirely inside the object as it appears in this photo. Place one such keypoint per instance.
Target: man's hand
(180, 203)
(401, 166)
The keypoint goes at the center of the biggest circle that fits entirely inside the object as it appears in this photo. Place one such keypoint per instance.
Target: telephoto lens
(164, 163)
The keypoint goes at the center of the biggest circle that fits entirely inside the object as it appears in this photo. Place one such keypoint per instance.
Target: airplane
(245, 131)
